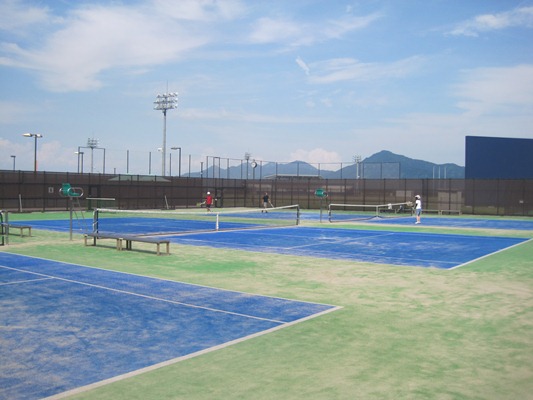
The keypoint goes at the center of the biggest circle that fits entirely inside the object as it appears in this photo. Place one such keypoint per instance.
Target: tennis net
(357, 212)
(170, 222)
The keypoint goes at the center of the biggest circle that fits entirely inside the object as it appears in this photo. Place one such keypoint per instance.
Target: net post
(95, 221)
(217, 225)
(297, 214)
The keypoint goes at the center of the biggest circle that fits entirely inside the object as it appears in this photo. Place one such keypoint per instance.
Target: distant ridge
(382, 165)
(411, 168)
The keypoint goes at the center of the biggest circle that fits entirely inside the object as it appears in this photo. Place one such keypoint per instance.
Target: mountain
(382, 165)
(411, 168)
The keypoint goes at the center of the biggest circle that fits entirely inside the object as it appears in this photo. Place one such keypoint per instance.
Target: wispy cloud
(292, 33)
(15, 16)
(301, 63)
(94, 39)
(493, 90)
(518, 18)
(317, 155)
(349, 69)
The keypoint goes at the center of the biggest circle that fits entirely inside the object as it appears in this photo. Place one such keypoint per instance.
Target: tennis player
(418, 208)
(266, 202)
(208, 201)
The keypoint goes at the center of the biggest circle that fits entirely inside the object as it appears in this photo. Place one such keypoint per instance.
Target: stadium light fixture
(35, 136)
(92, 143)
(357, 161)
(80, 155)
(164, 102)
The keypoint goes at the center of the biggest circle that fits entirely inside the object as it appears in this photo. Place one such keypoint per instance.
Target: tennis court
(66, 326)
(381, 214)
(237, 230)
(461, 222)
(383, 247)
(435, 331)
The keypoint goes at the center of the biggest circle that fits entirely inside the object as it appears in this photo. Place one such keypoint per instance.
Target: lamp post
(80, 154)
(247, 156)
(35, 136)
(164, 102)
(357, 161)
(179, 160)
(13, 157)
(92, 144)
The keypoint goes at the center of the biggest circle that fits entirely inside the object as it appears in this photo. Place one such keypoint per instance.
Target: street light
(92, 143)
(164, 102)
(247, 156)
(35, 136)
(80, 153)
(179, 157)
(357, 161)
(13, 157)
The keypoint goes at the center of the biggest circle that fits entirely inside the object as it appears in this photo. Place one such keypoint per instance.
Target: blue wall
(498, 158)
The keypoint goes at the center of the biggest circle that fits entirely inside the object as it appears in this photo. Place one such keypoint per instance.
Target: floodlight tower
(35, 136)
(247, 156)
(92, 144)
(164, 102)
(357, 161)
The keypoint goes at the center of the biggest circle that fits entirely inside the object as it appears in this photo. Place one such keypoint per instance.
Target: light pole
(179, 160)
(164, 102)
(92, 144)
(35, 136)
(13, 157)
(80, 154)
(247, 156)
(357, 161)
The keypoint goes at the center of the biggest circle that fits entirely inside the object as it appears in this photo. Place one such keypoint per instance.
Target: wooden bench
(148, 239)
(129, 239)
(20, 227)
(97, 235)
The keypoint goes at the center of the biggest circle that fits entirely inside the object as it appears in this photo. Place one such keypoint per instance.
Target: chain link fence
(39, 191)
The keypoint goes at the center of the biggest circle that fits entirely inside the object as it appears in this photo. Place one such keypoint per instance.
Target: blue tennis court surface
(64, 326)
(397, 248)
(153, 226)
(451, 222)
(461, 222)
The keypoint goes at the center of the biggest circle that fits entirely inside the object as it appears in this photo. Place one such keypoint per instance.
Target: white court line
(183, 358)
(25, 281)
(151, 297)
(490, 254)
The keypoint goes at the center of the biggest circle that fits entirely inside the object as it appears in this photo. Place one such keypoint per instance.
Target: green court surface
(402, 332)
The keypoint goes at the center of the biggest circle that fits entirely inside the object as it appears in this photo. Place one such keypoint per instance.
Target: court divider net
(169, 222)
(358, 212)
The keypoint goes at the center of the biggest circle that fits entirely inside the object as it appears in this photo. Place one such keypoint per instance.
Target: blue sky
(317, 81)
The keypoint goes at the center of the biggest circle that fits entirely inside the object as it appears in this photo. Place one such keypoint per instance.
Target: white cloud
(200, 10)
(317, 155)
(519, 17)
(269, 30)
(301, 63)
(293, 33)
(15, 16)
(348, 69)
(95, 39)
(493, 90)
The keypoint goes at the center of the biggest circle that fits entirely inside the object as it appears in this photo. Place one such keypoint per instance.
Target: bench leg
(158, 252)
(168, 248)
